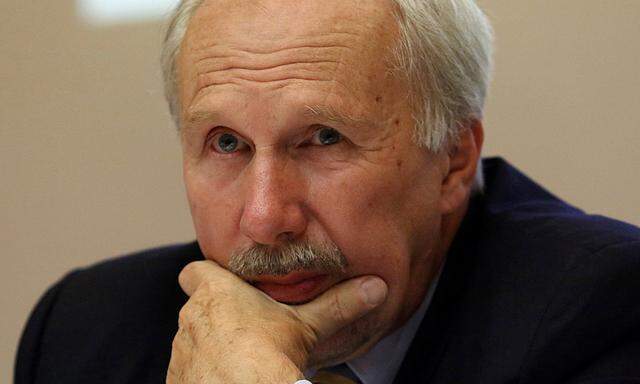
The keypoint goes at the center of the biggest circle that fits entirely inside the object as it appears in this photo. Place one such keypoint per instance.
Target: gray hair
(444, 52)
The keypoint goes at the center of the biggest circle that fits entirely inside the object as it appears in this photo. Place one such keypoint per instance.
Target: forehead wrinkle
(269, 46)
(288, 72)
(302, 49)
(301, 65)
(308, 59)
(220, 61)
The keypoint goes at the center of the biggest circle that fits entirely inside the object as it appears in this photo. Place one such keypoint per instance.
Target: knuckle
(211, 287)
(215, 293)
(196, 316)
(184, 316)
(187, 317)
(206, 289)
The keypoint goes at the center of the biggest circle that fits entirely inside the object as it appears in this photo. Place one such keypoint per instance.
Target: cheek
(375, 221)
(385, 220)
(213, 215)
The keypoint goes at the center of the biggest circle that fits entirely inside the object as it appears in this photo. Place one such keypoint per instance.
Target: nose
(273, 212)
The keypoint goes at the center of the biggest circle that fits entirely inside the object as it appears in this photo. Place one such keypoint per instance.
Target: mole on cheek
(397, 122)
(378, 99)
(399, 163)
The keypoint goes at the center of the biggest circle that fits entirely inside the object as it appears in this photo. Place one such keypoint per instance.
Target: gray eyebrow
(323, 112)
(196, 118)
(200, 116)
(332, 115)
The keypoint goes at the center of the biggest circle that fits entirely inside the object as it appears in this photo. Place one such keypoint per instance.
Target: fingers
(197, 272)
(330, 312)
(343, 304)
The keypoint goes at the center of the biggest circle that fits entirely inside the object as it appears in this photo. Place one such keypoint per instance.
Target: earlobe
(463, 161)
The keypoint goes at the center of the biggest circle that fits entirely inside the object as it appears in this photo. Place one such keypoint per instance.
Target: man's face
(295, 130)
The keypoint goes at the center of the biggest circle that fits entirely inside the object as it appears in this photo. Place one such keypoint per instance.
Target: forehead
(344, 41)
(281, 19)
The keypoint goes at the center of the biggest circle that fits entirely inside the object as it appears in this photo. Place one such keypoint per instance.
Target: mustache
(263, 259)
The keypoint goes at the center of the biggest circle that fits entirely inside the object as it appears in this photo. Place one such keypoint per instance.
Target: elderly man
(345, 232)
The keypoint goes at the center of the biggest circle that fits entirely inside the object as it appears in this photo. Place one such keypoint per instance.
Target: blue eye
(227, 143)
(327, 136)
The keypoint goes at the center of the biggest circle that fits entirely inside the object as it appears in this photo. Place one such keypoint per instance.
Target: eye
(227, 143)
(326, 136)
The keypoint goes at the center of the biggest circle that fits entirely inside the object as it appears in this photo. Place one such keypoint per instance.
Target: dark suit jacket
(533, 291)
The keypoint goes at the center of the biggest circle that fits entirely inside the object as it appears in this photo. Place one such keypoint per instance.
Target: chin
(348, 343)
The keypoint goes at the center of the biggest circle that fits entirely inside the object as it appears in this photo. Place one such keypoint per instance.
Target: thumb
(343, 304)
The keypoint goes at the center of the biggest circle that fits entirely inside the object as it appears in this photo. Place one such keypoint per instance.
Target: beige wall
(89, 163)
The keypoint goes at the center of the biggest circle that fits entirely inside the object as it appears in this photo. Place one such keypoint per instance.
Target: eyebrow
(327, 113)
(195, 119)
(198, 117)
(323, 112)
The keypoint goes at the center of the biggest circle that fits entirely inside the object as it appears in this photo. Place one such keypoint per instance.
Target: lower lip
(299, 292)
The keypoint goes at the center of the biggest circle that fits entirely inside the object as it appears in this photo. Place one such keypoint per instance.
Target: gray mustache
(262, 259)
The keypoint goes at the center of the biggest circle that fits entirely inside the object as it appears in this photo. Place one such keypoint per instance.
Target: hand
(230, 332)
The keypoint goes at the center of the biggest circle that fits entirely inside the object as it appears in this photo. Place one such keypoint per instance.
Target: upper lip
(288, 279)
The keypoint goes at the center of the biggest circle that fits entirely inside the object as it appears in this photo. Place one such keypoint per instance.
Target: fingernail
(374, 290)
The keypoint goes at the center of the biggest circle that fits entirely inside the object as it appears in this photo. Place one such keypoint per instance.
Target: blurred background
(90, 162)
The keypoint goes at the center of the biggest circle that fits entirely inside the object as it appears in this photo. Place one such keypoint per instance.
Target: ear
(463, 162)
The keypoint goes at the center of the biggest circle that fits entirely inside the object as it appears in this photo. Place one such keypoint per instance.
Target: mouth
(293, 288)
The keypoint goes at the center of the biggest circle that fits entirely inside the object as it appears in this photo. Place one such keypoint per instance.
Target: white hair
(444, 51)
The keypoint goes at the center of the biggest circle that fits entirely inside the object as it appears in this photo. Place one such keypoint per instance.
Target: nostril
(286, 236)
